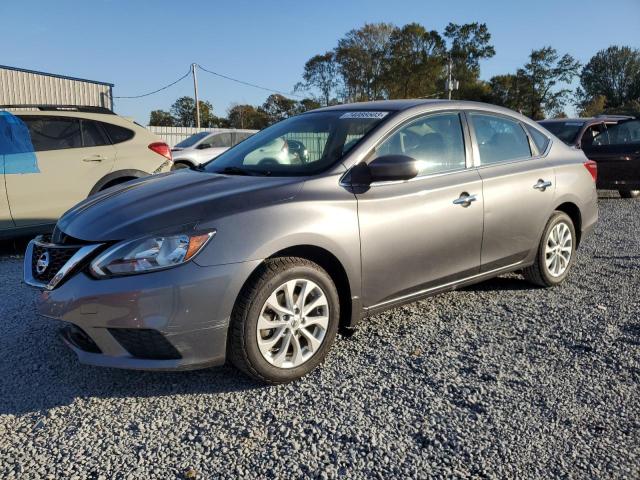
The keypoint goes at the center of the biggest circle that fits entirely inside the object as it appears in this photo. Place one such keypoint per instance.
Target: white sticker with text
(365, 115)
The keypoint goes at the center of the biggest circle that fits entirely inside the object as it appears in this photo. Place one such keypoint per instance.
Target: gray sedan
(260, 261)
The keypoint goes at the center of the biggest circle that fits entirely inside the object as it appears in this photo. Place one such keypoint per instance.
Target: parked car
(260, 264)
(79, 151)
(611, 141)
(204, 146)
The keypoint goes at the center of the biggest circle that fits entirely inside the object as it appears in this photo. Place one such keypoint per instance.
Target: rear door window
(499, 139)
(53, 133)
(221, 140)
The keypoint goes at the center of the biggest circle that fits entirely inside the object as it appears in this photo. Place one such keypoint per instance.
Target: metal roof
(36, 72)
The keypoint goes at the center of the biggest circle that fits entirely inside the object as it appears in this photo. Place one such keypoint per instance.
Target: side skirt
(419, 295)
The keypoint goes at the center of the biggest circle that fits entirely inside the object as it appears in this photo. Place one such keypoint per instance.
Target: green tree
(321, 73)
(361, 57)
(415, 63)
(184, 113)
(545, 70)
(469, 43)
(278, 107)
(596, 106)
(510, 90)
(613, 73)
(247, 116)
(161, 118)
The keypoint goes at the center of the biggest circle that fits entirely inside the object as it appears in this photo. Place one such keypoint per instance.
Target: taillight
(593, 168)
(161, 148)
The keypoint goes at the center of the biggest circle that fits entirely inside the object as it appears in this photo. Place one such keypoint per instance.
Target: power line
(160, 89)
(247, 83)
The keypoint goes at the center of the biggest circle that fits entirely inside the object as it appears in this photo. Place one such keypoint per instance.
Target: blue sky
(140, 46)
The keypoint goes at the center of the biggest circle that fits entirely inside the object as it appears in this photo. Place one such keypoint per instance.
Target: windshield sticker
(16, 150)
(377, 115)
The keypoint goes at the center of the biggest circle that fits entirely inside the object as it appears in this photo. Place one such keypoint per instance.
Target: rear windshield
(192, 140)
(566, 131)
(301, 145)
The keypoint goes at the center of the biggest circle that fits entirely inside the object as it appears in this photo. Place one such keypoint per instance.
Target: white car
(202, 147)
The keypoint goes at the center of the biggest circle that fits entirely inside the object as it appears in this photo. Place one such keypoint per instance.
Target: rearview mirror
(387, 168)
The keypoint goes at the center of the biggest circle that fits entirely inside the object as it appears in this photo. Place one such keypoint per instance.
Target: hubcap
(558, 249)
(293, 323)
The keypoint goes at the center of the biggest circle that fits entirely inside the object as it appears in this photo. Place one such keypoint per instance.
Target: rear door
(617, 152)
(73, 154)
(518, 186)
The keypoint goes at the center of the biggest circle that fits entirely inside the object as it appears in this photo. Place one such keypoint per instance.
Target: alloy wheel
(559, 249)
(293, 323)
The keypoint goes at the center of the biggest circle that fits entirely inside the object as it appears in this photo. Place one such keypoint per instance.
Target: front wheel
(556, 252)
(629, 193)
(284, 321)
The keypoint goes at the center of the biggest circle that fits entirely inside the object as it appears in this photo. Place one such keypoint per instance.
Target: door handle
(94, 158)
(542, 185)
(464, 199)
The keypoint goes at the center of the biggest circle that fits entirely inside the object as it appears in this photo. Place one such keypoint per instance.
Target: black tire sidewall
(264, 290)
(558, 217)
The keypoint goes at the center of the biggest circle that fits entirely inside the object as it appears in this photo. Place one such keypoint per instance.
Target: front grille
(51, 258)
(145, 343)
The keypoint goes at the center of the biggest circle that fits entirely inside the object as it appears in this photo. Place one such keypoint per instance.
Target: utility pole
(451, 83)
(449, 80)
(195, 93)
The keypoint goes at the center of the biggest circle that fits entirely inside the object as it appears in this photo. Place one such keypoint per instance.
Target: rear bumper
(619, 175)
(175, 319)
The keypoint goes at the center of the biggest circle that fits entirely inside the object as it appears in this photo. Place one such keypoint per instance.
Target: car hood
(160, 202)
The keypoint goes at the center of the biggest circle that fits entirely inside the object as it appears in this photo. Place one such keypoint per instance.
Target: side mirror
(384, 169)
(204, 146)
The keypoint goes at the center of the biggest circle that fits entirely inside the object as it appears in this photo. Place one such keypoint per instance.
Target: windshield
(565, 131)
(301, 145)
(192, 140)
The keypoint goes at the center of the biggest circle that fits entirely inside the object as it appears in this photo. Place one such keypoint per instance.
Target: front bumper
(184, 310)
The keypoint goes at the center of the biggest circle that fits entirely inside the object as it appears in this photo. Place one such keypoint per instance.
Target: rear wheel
(556, 252)
(284, 321)
(629, 193)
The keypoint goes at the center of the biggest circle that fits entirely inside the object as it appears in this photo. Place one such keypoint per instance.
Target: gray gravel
(499, 380)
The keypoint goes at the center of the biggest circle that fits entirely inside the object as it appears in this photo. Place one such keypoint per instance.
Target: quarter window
(499, 139)
(436, 141)
(53, 133)
(539, 138)
(92, 135)
(117, 134)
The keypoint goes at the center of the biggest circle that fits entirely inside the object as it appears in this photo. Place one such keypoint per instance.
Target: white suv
(78, 151)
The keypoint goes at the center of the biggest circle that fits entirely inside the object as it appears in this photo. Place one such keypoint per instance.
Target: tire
(629, 193)
(254, 350)
(540, 273)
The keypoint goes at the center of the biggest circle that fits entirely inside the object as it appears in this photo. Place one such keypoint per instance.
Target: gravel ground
(500, 380)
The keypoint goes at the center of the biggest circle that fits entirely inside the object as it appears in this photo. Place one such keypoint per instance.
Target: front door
(518, 187)
(420, 233)
(72, 156)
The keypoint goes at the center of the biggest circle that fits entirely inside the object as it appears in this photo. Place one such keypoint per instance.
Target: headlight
(149, 253)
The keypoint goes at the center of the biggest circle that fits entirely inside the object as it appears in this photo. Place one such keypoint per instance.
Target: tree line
(383, 61)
